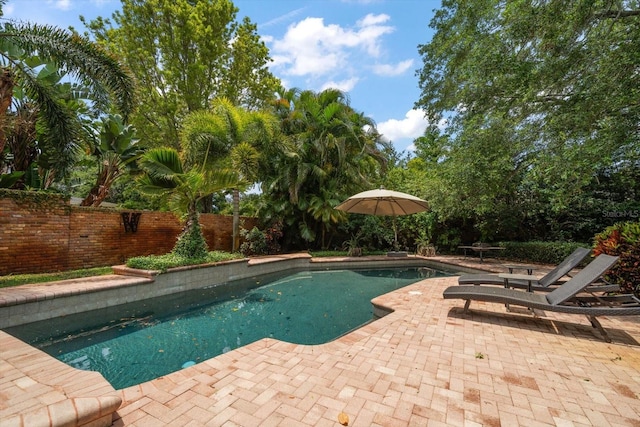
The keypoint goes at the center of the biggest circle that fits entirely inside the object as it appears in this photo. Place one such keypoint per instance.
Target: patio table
(512, 267)
(527, 277)
(480, 249)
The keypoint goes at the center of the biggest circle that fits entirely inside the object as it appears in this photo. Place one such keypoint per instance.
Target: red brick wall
(42, 234)
(34, 232)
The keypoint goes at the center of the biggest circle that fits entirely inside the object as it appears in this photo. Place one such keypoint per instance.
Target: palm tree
(165, 174)
(26, 48)
(338, 152)
(230, 136)
(322, 208)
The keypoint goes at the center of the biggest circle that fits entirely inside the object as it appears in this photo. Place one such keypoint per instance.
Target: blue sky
(367, 48)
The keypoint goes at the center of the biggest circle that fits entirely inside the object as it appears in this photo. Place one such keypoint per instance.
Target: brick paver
(425, 364)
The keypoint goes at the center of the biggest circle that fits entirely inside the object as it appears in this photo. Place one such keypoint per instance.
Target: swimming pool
(137, 342)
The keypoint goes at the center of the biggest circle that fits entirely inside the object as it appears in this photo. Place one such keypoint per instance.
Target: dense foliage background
(537, 105)
(542, 135)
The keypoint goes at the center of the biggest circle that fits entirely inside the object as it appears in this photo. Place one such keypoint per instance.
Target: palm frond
(154, 186)
(63, 129)
(162, 163)
(221, 179)
(80, 58)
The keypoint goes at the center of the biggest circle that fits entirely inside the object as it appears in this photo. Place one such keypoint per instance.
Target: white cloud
(61, 4)
(372, 19)
(393, 70)
(8, 9)
(306, 49)
(344, 85)
(105, 3)
(312, 48)
(372, 30)
(278, 61)
(412, 126)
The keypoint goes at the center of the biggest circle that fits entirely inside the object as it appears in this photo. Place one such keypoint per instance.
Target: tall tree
(336, 152)
(34, 58)
(230, 136)
(185, 53)
(167, 175)
(538, 95)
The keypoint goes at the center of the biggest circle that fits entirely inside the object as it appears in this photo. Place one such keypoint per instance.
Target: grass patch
(23, 279)
(171, 260)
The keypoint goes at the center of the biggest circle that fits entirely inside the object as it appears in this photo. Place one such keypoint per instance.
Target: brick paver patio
(425, 364)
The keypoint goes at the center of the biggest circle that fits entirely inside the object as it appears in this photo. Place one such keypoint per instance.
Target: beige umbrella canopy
(383, 202)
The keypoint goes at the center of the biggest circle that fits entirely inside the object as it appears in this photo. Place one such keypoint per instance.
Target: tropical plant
(230, 136)
(335, 152)
(424, 246)
(623, 240)
(259, 242)
(32, 156)
(273, 235)
(322, 208)
(116, 152)
(255, 242)
(166, 175)
(353, 246)
(33, 60)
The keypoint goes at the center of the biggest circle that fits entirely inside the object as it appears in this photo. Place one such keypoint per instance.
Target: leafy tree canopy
(184, 53)
(541, 98)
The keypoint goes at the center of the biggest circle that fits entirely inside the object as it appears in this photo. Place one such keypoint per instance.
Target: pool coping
(63, 395)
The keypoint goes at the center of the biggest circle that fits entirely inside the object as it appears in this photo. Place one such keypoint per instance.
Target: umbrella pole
(396, 249)
(395, 235)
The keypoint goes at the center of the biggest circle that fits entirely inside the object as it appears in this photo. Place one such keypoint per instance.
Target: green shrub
(191, 244)
(171, 260)
(255, 242)
(258, 242)
(622, 239)
(540, 252)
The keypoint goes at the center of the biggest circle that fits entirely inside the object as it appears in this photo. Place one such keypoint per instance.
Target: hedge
(540, 252)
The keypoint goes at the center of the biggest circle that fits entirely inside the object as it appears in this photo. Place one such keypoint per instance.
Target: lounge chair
(563, 299)
(552, 277)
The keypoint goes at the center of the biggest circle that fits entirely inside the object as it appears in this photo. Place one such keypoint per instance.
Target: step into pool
(137, 342)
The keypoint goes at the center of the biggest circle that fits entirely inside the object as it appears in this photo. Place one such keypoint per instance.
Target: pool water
(141, 341)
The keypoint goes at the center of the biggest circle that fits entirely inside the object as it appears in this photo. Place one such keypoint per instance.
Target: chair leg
(596, 324)
(466, 306)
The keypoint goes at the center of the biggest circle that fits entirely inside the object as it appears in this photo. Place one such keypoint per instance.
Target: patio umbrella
(383, 202)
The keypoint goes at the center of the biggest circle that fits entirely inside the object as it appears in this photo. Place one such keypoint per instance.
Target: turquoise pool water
(141, 341)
